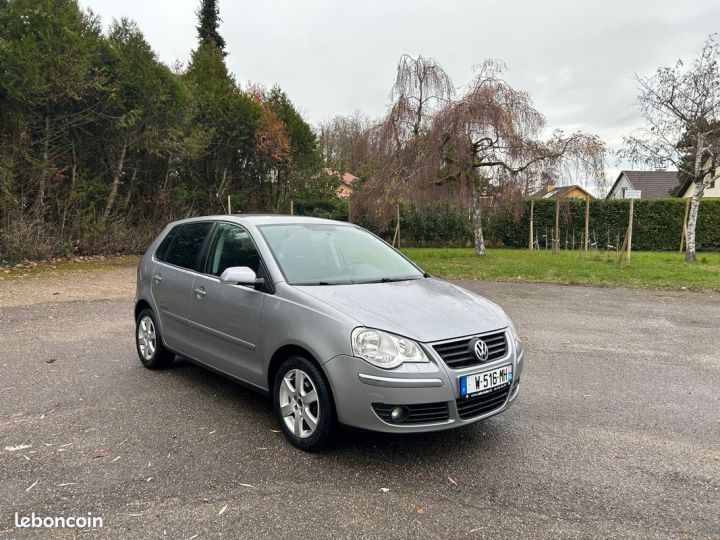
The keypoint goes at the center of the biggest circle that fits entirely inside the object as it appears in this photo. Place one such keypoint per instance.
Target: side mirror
(240, 275)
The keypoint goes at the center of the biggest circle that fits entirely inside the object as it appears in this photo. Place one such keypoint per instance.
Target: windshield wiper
(386, 280)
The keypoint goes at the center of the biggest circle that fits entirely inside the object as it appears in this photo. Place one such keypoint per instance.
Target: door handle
(157, 278)
(200, 292)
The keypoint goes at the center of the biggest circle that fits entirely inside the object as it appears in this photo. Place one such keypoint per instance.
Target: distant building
(561, 192)
(712, 189)
(347, 180)
(644, 185)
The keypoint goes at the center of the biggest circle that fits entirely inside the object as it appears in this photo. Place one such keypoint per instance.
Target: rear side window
(184, 249)
(162, 248)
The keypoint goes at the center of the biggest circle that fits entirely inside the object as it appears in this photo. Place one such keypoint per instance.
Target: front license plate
(479, 383)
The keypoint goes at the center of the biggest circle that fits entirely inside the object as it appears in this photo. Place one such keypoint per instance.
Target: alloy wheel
(299, 404)
(147, 340)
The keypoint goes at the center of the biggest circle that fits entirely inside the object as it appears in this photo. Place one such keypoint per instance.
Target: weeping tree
(680, 107)
(487, 140)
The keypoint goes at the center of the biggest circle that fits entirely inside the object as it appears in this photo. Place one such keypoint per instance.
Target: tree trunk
(532, 216)
(116, 180)
(39, 203)
(476, 210)
(690, 255)
(128, 195)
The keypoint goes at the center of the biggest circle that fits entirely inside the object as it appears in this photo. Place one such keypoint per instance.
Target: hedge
(657, 223)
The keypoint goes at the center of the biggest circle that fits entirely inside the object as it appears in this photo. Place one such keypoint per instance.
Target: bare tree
(344, 142)
(490, 137)
(682, 103)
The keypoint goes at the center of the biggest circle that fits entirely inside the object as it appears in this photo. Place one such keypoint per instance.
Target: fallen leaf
(100, 452)
(221, 512)
(18, 447)
(452, 481)
(420, 511)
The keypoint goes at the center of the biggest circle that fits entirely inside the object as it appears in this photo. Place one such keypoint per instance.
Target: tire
(148, 342)
(295, 413)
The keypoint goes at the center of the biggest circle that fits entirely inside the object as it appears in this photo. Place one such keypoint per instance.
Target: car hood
(425, 309)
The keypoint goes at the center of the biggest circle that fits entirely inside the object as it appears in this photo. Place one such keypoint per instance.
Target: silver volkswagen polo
(329, 320)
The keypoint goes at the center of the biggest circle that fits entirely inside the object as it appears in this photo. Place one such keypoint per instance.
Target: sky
(576, 58)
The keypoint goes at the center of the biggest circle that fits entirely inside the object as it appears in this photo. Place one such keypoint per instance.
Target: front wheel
(303, 404)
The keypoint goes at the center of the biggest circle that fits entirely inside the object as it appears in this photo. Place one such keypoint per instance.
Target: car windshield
(334, 254)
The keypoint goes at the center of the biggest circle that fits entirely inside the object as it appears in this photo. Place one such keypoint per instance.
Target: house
(644, 185)
(712, 187)
(561, 192)
(346, 182)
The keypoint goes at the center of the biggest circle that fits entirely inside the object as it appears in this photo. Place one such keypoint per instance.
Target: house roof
(345, 177)
(557, 192)
(652, 184)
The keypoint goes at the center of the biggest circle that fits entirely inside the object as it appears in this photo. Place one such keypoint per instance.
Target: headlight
(385, 350)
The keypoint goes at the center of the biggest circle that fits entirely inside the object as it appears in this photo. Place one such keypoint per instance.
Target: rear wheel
(148, 342)
(303, 404)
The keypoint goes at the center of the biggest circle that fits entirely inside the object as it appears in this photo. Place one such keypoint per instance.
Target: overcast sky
(576, 58)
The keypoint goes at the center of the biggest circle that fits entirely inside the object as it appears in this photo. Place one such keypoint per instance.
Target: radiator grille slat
(459, 353)
(482, 404)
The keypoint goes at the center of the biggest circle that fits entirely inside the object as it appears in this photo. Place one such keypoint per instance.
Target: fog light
(399, 414)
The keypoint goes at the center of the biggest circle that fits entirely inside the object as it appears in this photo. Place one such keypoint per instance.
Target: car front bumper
(362, 390)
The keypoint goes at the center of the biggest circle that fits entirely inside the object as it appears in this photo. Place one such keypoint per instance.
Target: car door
(229, 315)
(177, 261)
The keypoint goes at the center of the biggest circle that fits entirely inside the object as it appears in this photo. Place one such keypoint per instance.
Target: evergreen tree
(209, 19)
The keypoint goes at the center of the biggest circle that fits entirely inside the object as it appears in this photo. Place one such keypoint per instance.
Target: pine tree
(209, 18)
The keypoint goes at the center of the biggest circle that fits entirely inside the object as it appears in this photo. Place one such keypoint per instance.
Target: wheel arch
(140, 305)
(285, 352)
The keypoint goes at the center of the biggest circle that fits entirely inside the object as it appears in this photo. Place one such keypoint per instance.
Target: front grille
(423, 413)
(482, 404)
(460, 353)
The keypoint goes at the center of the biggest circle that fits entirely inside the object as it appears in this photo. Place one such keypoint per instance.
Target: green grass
(31, 268)
(649, 270)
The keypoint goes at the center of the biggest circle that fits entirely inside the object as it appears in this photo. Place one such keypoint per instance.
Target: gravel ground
(616, 432)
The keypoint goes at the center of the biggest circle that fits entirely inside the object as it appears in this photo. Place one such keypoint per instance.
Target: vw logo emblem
(481, 350)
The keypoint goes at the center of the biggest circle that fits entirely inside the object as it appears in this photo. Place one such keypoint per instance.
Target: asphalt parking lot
(616, 432)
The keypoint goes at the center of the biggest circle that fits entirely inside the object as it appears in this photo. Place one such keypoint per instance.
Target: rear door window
(161, 251)
(185, 248)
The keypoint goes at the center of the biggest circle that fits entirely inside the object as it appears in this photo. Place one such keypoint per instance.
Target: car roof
(262, 219)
